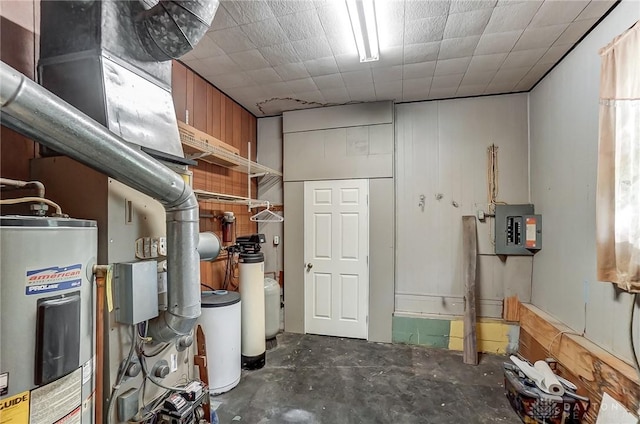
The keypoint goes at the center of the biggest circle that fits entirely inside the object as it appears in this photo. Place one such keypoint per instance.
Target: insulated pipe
(38, 114)
(24, 184)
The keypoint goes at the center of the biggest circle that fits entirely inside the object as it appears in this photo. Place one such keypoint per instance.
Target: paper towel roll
(550, 383)
(540, 374)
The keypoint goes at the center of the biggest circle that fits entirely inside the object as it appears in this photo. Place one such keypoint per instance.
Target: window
(618, 191)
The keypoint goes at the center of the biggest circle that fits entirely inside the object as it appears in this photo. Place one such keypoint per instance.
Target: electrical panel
(137, 291)
(518, 230)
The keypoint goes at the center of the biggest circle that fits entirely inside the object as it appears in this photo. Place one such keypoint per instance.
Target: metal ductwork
(40, 115)
(109, 58)
(169, 29)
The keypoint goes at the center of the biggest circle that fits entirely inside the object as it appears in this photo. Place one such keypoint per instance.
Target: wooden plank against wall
(594, 368)
(470, 255)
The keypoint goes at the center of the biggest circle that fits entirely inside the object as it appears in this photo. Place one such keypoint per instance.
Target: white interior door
(336, 251)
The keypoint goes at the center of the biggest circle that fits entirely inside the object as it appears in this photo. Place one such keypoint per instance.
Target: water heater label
(54, 278)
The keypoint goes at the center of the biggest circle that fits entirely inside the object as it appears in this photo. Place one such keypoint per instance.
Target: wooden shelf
(207, 196)
(201, 146)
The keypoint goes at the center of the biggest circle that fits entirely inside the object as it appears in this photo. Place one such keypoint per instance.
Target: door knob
(309, 266)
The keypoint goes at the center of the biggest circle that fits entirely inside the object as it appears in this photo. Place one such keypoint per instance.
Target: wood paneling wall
(204, 107)
(19, 23)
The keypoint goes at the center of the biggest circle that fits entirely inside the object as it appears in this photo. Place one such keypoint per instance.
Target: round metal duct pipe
(170, 28)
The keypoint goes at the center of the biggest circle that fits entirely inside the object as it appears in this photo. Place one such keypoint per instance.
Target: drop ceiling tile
(264, 76)
(558, 12)
(362, 92)
(419, 9)
(461, 6)
(314, 96)
(302, 85)
(287, 7)
(393, 73)
(425, 52)
(301, 25)
(231, 40)
(523, 58)
(312, 48)
(249, 59)
(490, 62)
(533, 38)
(357, 77)
(244, 12)
(416, 89)
(338, 95)
(324, 82)
(291, 71)
(335, 19)
(276, 89)
(389, 56)
(249, 92)
(419, 70)
(458, 47)
(575, 32)
(442, 93)
(478, 77)
(595, 9)
(222, 19)
(499, 89)
(265, 33)
(236, 79)
(510, 75)
(218, 65)
(446, 81)
(501, 42)
(554, 54)
(391, 28)
(350, 62)
(322, 66)
(512, 17)
(206, 48)
(470, 90)
(279, 54)
(452, 66)
(390, 90)
(424, 30)
(342, 45)
(466, 24)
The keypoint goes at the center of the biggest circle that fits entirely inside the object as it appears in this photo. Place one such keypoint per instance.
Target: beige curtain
(618, 191)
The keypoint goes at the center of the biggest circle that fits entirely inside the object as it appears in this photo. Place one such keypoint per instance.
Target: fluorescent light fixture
(363, 21)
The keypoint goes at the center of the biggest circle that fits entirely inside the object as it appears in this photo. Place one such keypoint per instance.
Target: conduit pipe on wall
(36, 113)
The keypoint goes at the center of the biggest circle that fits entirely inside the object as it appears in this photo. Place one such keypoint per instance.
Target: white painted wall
(564, 149)
(270, 188)
(441, 150)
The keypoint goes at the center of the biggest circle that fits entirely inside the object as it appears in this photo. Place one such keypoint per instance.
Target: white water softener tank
(46, 319)
(271, 308)
(220, 320)
(251, 270)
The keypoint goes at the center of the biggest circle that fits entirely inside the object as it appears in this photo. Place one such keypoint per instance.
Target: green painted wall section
(420, 331)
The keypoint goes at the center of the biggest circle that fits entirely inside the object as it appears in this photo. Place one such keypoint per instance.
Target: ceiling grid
(272, 56)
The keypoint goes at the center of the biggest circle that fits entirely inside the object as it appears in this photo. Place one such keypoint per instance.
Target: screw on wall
(421, 202)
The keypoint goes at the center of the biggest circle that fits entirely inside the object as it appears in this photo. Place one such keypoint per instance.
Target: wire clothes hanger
(266, 215)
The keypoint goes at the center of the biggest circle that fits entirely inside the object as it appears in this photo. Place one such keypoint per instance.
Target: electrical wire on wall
(492, 177)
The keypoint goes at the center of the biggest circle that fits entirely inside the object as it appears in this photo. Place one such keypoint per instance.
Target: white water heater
(47, 315)
(251, 270)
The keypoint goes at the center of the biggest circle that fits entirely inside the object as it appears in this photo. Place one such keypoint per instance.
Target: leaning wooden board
(469, 254)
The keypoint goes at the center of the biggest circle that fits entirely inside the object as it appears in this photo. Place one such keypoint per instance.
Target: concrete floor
(329, 380)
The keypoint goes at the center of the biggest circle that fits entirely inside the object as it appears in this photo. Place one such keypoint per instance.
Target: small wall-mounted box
(518, 230)
(136, 285)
